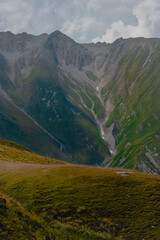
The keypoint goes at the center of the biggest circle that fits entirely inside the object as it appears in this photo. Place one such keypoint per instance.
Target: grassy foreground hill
(62, 201)
(10, 151)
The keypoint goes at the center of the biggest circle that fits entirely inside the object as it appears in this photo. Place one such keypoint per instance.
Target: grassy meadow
(62, 201)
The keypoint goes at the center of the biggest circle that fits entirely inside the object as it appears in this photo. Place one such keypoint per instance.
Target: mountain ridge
(95, 83)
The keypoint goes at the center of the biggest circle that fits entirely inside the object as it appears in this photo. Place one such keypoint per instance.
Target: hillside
(95, 104)
(35, 107)
(17, 223)
(135, 120)
(10, 151)
(62, 201)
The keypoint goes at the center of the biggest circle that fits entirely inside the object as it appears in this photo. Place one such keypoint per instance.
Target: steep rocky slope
(36, 110)
(74, 101)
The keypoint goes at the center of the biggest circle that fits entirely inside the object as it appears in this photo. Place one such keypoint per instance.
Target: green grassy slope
(135, 92)
(77, 202)
(10, 151)
(17, 223)
(16, 126)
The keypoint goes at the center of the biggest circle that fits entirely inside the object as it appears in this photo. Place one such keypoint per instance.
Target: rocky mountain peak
(67, 50)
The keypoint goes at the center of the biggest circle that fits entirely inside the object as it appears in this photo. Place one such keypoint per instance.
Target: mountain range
(94, 104)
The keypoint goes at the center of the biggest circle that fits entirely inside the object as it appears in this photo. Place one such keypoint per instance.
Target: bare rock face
(81, 102)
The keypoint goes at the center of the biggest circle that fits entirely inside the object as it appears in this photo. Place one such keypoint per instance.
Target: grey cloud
(148, 22)
(84, 21)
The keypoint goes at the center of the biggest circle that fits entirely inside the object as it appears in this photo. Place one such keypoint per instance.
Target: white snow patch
(123, 173)
(111, 151)
(102, 132)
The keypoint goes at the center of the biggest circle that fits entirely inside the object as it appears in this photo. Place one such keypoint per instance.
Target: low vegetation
(10, 151)
(17, 223)
(135, 92)
(77, 202)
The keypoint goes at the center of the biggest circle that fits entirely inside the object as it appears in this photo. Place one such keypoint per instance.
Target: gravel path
(18, 165)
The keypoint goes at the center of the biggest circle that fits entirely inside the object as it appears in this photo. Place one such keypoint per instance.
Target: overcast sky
(83, 20)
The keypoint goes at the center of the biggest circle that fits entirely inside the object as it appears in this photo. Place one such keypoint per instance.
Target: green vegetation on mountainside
(10, 151)
(45, 100)
(56, 95)
(137, 111)
(17, 223)
(17, 127)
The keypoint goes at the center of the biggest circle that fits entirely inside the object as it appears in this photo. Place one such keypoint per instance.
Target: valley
(95, 104)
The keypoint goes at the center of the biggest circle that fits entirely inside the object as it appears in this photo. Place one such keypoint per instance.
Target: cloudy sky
(83, 20)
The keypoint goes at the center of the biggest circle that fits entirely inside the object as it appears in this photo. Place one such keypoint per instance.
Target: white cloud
(77, 25)
(14, 16)
(83, 20)
(25, 15)
(93, 4)
(148, 16)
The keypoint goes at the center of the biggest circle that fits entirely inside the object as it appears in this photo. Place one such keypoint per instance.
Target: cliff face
(89, 103)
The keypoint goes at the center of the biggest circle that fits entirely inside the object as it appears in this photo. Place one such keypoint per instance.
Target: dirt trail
(18, 165)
